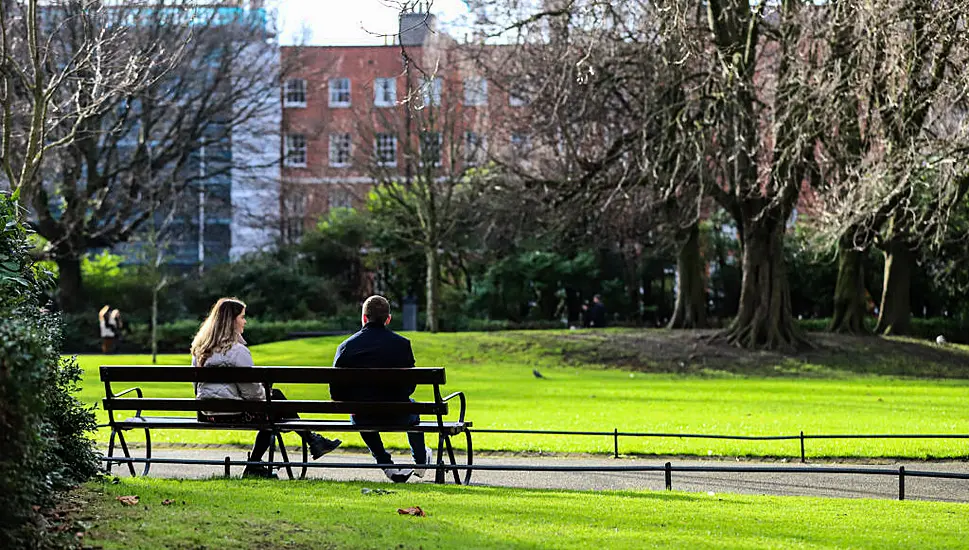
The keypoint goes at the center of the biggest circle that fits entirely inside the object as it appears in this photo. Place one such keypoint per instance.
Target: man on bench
(376, 346)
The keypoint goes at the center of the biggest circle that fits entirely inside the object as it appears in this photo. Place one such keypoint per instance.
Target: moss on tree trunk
(430, 255)
(850, 308)
(690, 310)
(895, 313)
(764, 319)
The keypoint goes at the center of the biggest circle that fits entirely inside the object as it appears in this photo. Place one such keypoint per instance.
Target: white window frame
(431, 91)
(295, 143)
(336, 141)
(295, 215)
(293, 89)
(475, 91)
(338, 197)
(440, 146)
(474, 148)
(385, 92)
(336, 90)
(376, 149)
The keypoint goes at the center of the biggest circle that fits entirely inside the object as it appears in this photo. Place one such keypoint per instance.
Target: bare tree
(46, 84)
(613, 100)
(211, 79)
(425, 160)
(896, 167)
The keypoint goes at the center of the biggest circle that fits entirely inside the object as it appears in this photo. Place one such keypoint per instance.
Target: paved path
(827, 485)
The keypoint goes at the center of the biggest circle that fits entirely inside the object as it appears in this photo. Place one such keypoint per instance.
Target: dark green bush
(44, 446)
(953, 330)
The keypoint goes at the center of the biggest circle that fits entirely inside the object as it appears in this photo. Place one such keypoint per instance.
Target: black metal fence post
(901, 483)
(615, 442)
(227, 474)
(802, 446)
(669, 476)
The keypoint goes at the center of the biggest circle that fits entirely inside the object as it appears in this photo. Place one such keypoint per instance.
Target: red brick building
(353, 112)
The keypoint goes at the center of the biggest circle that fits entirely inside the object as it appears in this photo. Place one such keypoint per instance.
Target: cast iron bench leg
(302, 474)
(147, 452)
(467, 474)
(114, 432)
(439, 474)
(450, 454)
(124, 447)
(282, 452)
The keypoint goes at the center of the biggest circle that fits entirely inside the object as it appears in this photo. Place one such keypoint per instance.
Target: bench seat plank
(279, 375)
(187, 422)
(278, 408)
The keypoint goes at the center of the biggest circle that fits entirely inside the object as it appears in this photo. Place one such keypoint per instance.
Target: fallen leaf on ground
(129, 500)
(168, 502)
(412, 511)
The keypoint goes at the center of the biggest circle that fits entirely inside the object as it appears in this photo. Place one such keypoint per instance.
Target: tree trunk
(895, 313)
(69, 283)
(690, 310)
(154, 324)
(764, 319)
(850, 308)
(430, 254)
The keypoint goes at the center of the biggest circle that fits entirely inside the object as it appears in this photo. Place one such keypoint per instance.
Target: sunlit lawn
(495, 371)
(312, 514)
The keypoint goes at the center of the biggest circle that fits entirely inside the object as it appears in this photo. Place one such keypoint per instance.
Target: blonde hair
(218, 331)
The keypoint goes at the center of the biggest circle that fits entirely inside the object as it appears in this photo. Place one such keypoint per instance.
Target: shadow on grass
(690, 352)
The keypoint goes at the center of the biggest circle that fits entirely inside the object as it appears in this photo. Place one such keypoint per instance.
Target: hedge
(44, 430)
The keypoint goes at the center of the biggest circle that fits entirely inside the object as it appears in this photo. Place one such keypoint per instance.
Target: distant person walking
(595, 315)
(107, 333)
(116, 325)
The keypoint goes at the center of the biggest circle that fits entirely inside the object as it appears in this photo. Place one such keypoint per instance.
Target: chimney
(416, 26)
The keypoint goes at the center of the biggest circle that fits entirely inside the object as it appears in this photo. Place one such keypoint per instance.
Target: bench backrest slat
(282, 375)
(276, 408)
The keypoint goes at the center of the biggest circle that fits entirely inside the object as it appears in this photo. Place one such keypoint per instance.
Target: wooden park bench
(125, 401)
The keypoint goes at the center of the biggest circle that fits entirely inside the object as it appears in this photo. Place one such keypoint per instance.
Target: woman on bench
(219, 343)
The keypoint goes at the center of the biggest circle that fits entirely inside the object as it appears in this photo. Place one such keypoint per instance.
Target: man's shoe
(256, 471)
(429, 456)
(398, 475)
(320, 445)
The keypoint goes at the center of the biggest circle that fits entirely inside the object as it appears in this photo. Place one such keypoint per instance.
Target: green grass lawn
(312, 515)
(840, 392)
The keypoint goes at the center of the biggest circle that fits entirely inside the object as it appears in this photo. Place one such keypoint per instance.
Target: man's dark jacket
(373, 347)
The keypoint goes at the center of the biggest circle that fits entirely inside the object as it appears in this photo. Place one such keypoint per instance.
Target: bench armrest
(129, 390)
(464, 403)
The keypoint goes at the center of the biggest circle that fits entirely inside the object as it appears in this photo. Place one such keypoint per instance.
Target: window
(432, 91)
(295, 150)
(339, 198)
(385, 92)
(386, 149)
(339, 92)
(431, 148)
(294, 93)
(475, 91)
(474, 148)
(294, 216)
(340, 150)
